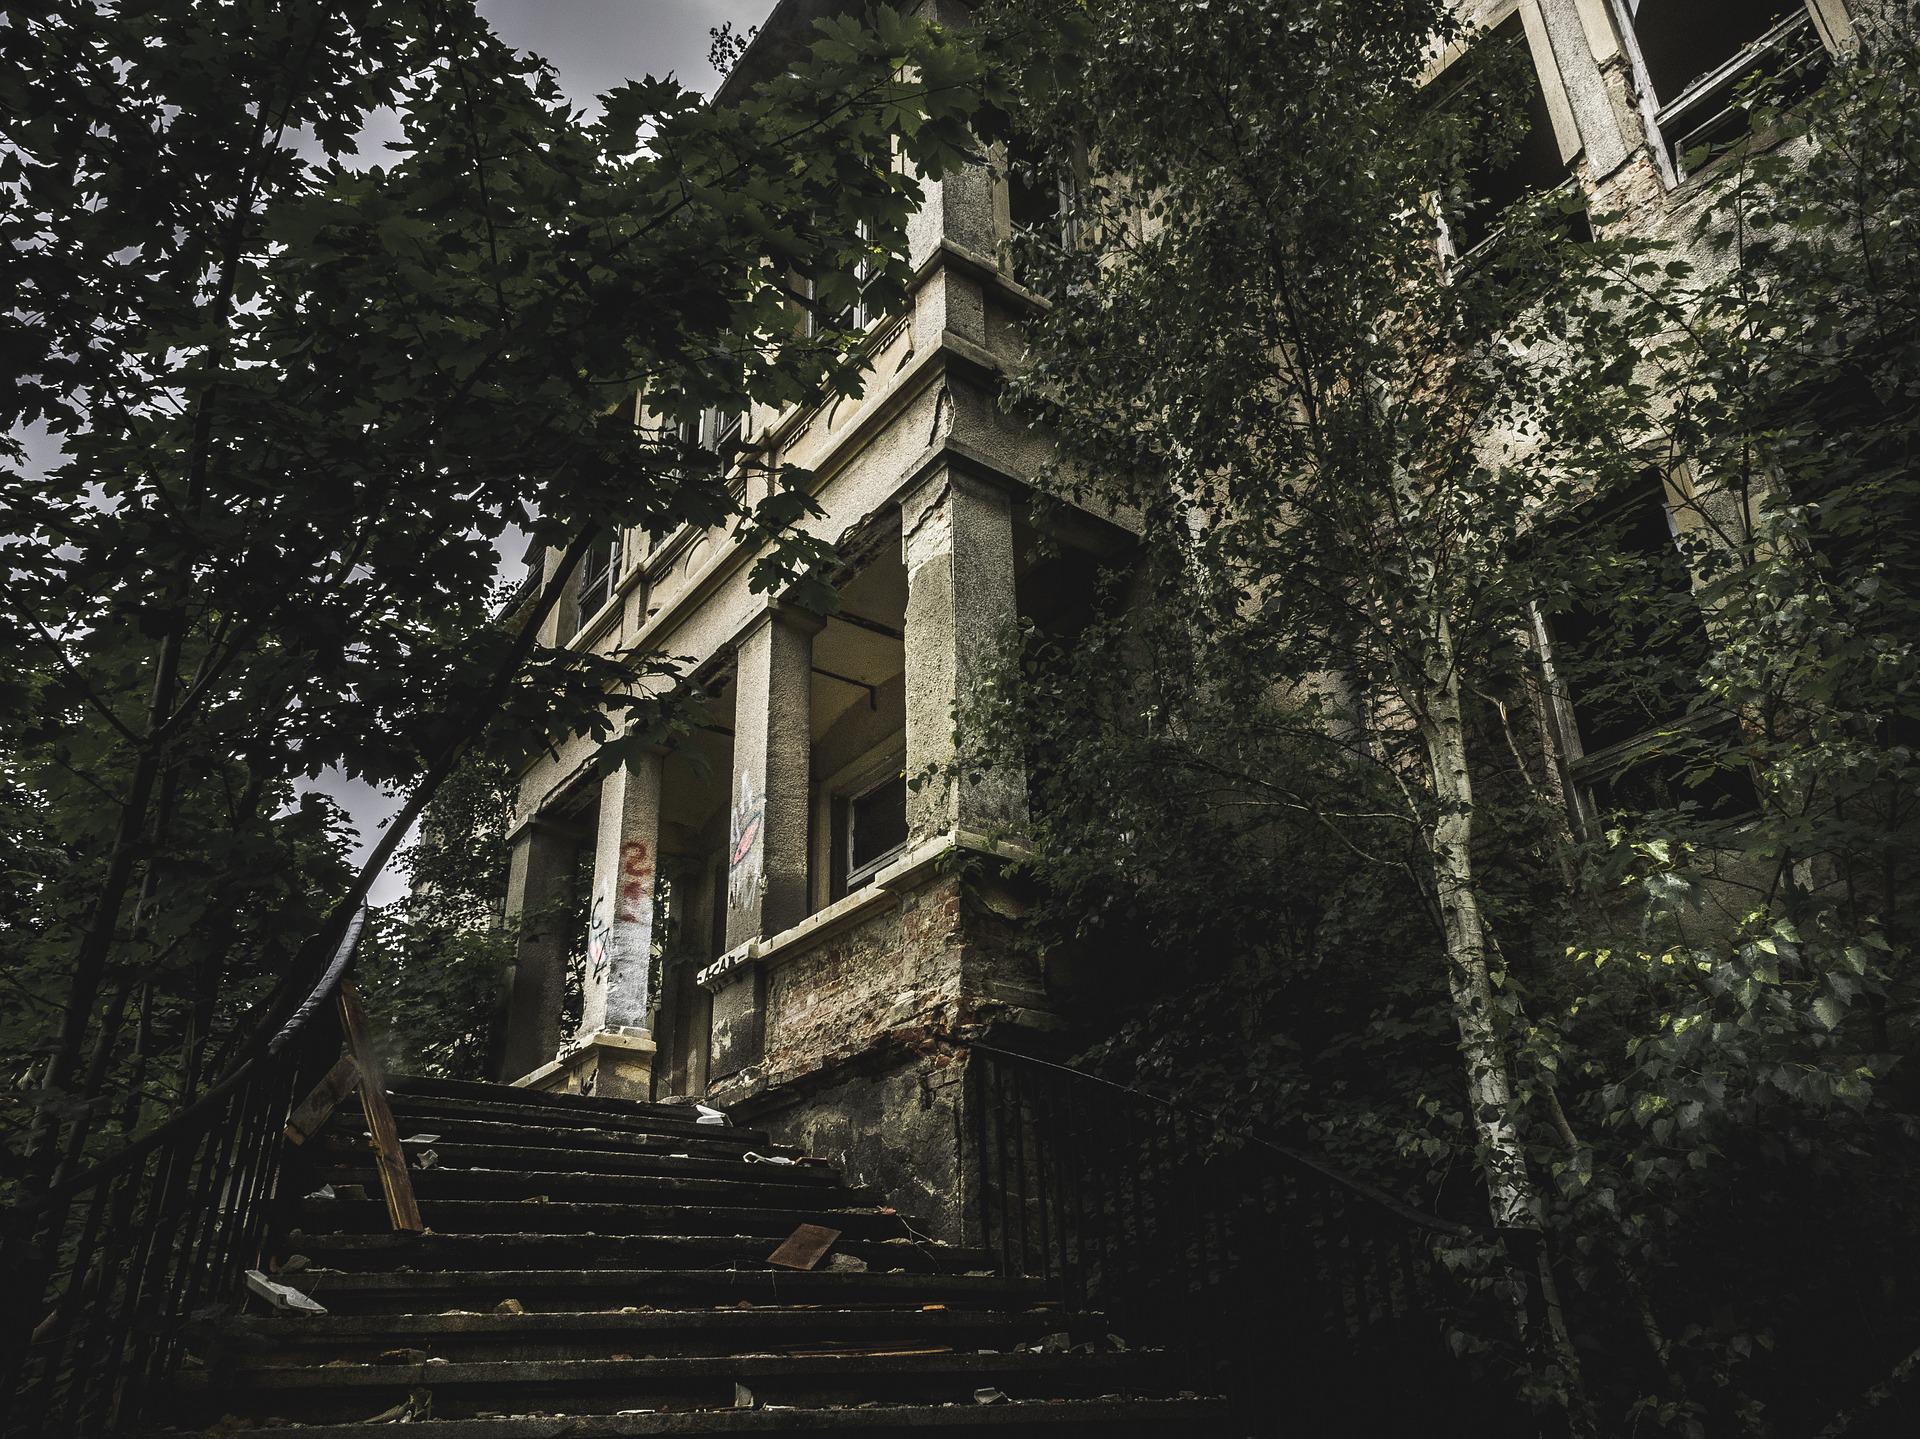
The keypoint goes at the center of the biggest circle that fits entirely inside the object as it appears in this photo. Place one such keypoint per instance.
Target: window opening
(876, 828)
(1626, 675)
(1502, 61)
(857, 316)
(1694, 55)
(599, 570)
(1039, 189)
(723, 428)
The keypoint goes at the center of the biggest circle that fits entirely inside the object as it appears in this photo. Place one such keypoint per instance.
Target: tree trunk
(1489, 1088)
(1510, 1192)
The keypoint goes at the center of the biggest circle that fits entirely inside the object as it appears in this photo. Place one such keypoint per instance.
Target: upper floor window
(817, 319)
(875, 831)
(1533, 156)
(1039, 197)
(1691, 57)
(713, 429)
(1622, 647)
(599, 572)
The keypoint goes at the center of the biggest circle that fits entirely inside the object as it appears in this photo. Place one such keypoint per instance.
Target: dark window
(1683, 40)
(876, 828)
(854, 317)
(1512, 165)
(598, 572)
(1038, 189)
(1034, 198)
(1698, 53)
(723, 429)
(1627, 643)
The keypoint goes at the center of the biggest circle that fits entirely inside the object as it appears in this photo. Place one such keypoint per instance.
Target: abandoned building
(767, 992)
(773, 919)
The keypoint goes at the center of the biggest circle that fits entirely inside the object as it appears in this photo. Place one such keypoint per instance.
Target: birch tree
(1309, 734)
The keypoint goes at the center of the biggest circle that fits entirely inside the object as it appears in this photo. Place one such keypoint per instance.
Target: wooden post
(388, 1156)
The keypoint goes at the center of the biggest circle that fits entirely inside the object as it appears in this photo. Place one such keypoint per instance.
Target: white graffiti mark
(746, 852)
(599, 929)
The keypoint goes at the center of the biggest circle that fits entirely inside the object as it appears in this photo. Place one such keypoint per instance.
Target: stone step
(253, 1340)
(605, 1288)
(1181, 1418)
(628, 1220)
(422, 1087)
(688, 1139)
(668, 1162)
(759, 1184)
(451, 1250)
(463, 1389)
(419, 1108)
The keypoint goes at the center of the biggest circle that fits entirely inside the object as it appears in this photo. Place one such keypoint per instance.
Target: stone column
(957, 540)
(620, 922)
(772, 736)
(539, 867)
(767, 823)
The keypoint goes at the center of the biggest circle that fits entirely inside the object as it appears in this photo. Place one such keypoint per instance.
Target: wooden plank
(318, 1107)
(805, 1247)
(402, 1209)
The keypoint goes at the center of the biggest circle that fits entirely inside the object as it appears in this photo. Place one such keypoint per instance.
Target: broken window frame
(1584, 774)
(1794, 50)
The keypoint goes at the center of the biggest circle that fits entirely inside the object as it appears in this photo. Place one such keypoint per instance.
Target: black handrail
(1264, 1273)
(1242, 1133)
(111, 1265)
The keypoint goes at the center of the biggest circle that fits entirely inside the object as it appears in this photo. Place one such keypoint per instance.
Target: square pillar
(620, 923)
(956, 535)
(766, 881)
(772, 742)
(539, 869)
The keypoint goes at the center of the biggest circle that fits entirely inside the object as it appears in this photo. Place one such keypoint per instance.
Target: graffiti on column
(636, 882)
(746, 857)
(599, 927)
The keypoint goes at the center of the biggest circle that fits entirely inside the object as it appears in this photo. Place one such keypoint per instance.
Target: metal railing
(107, 1270)
(1302, 1294)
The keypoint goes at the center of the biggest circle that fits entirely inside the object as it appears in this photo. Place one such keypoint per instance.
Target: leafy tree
(299, 401)
(1306, 735)
(432, 968)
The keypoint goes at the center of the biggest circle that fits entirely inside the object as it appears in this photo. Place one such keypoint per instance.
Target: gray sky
(597, 44)
(594, 45)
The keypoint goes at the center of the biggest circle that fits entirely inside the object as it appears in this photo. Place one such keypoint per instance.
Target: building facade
(787, 914)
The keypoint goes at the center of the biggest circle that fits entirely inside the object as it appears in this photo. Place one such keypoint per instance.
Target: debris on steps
(596, 1267)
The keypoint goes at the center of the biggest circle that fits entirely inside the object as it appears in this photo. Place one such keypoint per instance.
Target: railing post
(402, 1209)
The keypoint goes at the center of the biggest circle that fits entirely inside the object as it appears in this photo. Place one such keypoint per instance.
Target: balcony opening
(859, 706)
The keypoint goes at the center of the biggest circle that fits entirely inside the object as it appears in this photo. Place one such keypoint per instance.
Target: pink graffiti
(636, 890)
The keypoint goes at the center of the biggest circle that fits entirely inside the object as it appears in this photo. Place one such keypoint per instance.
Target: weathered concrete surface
(620, 922)
(957, 541)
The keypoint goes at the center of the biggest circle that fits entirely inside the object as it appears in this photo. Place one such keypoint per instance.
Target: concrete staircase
(599, 1267)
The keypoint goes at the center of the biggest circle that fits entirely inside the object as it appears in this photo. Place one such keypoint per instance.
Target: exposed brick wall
(898, 969)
